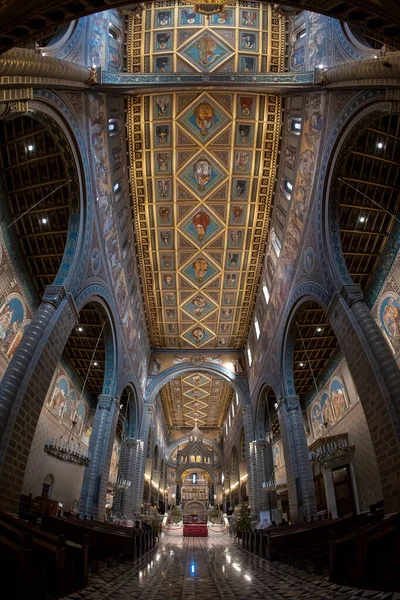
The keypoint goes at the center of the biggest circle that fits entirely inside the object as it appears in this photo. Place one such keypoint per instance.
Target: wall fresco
(63, 402)
(328, 408)
(229, 360)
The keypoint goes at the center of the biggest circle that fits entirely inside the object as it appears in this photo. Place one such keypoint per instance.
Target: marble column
(300, 480)
(380, 68)
(95, 479)
(141, 459)
(265, 473)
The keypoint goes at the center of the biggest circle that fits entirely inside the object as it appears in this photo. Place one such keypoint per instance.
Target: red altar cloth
(195, 530)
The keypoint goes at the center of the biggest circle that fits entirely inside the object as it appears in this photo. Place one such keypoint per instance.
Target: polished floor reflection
(213, 567)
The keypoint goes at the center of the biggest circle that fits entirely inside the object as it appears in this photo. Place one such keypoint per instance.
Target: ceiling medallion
(210, 8)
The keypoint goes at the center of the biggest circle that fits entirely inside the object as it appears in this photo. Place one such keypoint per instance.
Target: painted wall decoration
(329, 408)
(13, 319)
(115, 456)
(389, 319)
(279, 463)
(64, 404)
(123, 270)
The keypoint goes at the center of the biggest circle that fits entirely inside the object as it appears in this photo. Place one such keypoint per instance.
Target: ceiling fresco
(198, 398)
(203, 167)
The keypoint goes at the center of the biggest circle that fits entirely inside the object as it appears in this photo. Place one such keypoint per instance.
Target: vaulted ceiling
(203, 170)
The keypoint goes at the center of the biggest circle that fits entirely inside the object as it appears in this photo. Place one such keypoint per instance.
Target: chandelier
(67, 450)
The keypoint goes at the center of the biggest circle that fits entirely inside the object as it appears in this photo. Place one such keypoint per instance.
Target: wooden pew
(64, 563)
(368, 557)
(16, 559)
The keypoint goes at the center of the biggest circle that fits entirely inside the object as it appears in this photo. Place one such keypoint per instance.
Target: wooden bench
(62, 564)
(369, 556)
(16, 559)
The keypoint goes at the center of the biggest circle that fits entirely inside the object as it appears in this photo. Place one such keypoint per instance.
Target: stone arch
(184, 439)
(341, 141)
(189, 466)
(239, 384)
(126, 390)
(264, 410)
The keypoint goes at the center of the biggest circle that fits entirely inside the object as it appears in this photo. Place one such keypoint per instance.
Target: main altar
(195, 526)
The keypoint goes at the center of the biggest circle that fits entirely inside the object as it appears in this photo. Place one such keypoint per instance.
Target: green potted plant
(241, 520)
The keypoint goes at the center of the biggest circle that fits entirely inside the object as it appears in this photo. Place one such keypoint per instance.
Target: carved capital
(292, 403)
(54, 294)
(352, 293)
(106, 402)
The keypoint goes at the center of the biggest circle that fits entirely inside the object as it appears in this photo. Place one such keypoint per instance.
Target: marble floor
(214, 567)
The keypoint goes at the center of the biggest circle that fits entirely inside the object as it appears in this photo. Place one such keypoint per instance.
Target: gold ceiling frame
(247, 286)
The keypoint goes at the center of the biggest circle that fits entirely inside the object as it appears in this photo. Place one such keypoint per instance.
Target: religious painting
(237, 214)
(200, 270)
(69, 413)
(164, 215)
(202, 175)
(248, 64)
(248, 41)
(166, 238)
(226, 314)
(338, 398)
(117, 158)
(225, 328)
(114, 461)
(242, 162)
(12, 322)
(95, 261)
(201, 226)
(289, 155)
(162, 41)
(246, 107)
(389, 317)
(162, 163)
(240, 188)
(196, 379)
(329, 408)
(244, 134)
(168, 280)
(235, 238)
(231, 280)
(163, 18)
(249, 18)
(196, 394)
(239, 366)
(170, 314)
(233, 260)
(167, 261)
(169, 298)
(56, 402)
(163, 189)
(80, 418)
(163, 64)
(199, 306)
(206, 51)
(297, 59)
(225, 18)
(162, 135)
(228, 298)
(155, 365)
(162, 107)
(189, 17)
(317, 41)
(204, 119)
(197, 336)
(114, 59)
(309, 260)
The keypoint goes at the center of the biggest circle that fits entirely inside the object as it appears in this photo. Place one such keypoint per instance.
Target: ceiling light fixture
(361, 219)
(80, 328)
(44, 220)
(30, 147)
(379, 145)
(319, 329)
(95, 364)
(301, 364)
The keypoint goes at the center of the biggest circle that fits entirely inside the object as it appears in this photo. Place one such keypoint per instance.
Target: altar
(195, 526)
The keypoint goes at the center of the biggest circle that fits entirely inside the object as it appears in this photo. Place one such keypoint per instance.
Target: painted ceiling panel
(203, 168)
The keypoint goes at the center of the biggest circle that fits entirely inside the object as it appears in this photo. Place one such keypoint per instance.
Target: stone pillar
(141, 459)
(383, 67)
(265, 473)
(22, 62)
(377, 379)
(251, 456)
(123, 500)
(300, 480)
(95, 479)
(330, 493)
(25, 384)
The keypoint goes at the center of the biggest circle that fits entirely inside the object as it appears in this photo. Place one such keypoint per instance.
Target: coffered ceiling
(203, 169)
(197, 398)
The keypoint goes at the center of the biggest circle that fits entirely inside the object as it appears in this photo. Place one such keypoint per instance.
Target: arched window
(47, 486)
(294, 125)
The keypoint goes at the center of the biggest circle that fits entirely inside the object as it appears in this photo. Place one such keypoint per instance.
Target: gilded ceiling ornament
(210, 8)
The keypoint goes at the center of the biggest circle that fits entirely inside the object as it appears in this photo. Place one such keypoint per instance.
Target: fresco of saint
(202, 173)
(204, 117)
(206, 48)
(200, 267)
(201, 220)
(198, 334)
(200, 304)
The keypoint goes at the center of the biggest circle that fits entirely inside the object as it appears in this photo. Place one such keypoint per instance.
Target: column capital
(106, 402)
(352, 292)
(292, 402)
(54, 294)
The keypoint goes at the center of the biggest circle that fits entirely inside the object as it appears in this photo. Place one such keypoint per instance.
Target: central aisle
(214, 567)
